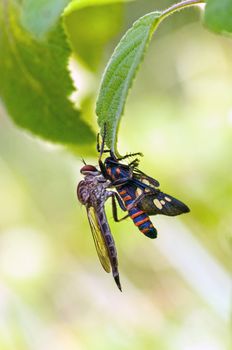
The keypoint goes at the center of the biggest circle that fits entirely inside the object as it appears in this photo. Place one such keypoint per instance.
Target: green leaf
(78, 4)
(35, 82)
(218, 16)
(106, 20)
(120, 72)
(123, 66)
(39, 16)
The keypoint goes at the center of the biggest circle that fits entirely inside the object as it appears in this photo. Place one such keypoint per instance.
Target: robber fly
(139, 192)
(93, 193)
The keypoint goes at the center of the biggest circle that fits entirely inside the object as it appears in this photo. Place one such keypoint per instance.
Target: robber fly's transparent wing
(99, 239)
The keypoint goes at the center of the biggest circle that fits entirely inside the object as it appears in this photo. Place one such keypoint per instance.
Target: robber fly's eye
(88, 168)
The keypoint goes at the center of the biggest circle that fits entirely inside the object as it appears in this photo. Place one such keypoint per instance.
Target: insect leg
(115, 196)
(98, 142)
(101, 149)
(134, 163)
(120, 202)
(131, 155)
(115, 211)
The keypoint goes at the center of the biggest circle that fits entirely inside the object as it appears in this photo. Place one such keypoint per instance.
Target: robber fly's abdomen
(139, 217)
(105, 229)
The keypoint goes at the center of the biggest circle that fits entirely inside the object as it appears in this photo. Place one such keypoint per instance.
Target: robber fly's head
(89, 170)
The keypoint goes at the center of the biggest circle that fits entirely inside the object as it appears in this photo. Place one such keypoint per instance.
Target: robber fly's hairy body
(93, 192)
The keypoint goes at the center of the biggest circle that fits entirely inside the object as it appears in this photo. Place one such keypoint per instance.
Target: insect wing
(147, 181)
(162, 203)
(99, 239)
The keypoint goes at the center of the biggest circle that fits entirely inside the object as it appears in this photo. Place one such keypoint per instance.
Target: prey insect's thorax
(117, 171)
(114, 172)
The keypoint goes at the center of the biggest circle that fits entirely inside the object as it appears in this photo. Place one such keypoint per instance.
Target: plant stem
(180, 6)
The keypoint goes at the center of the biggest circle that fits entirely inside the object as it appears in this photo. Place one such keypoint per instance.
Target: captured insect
(93, 193)
(139, 192)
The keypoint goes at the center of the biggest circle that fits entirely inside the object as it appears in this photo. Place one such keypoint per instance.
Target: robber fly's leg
(101, 148)
(115, 196)
(103, 142)
(98, 142)
(120, 202)
(115, 211)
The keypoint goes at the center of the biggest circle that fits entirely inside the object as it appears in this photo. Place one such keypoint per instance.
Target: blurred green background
(176, 289)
